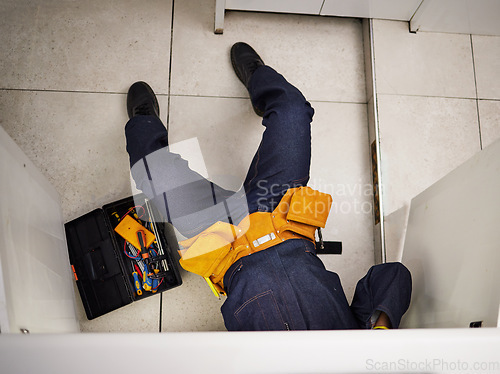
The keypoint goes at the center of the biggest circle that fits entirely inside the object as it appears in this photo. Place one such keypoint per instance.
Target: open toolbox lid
(103, 271)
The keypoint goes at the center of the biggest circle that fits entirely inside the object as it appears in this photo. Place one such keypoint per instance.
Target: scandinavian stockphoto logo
(176, 180)
(348, 198)
(432, 365)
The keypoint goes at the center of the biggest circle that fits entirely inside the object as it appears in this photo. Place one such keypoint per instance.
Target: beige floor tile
(322, 56)
(77, 140)
(191, 307)
(341, 166)
(140, 316)
(487, 64)
(422, 139)
(227, 130)
(489, 116)
(84, 46)
(424, 64)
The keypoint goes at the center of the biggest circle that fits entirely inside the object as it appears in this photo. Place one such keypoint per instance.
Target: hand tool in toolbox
(128, 228)
(147, 281)
(133, 232)
(155, 231)
(149, 264)
(137, 283)
(143, 238)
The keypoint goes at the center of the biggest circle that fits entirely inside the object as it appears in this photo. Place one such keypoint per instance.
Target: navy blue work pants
(285, 287)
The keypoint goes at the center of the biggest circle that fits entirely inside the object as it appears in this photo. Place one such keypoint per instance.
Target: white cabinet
(279, 6)
(464, 16)
(451, 247)
(401, 10)
(479, 17)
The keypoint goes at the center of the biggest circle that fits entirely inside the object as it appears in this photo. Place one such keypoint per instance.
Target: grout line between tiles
(170, 64)
(428, 96)
(477, 96)
(247, 98)
(339, 102)
(161, 314)
(483, 99)
(238, 97)
(211, 96)
(61, 91)
(322, 5)
(160, 327)
(172, 95)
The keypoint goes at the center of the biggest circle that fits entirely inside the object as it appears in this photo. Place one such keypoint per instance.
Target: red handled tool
(147, 282)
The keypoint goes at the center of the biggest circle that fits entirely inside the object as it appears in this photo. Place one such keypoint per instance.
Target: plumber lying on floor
(257, 245)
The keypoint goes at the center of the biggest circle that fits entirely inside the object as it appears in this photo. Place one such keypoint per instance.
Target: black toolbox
(103, 262)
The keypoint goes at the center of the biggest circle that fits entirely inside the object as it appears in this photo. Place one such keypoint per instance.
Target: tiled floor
(67, 66)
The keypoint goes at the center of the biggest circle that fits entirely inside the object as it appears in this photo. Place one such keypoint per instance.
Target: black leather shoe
(245, 61)
(141, 101)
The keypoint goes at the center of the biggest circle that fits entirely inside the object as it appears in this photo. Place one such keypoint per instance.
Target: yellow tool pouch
(211, 253)
(309, 207)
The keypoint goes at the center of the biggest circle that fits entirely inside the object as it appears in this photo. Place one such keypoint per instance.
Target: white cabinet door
(452, 247)
(466, 16)
(383, 9)
(279, 6)
(36, 287)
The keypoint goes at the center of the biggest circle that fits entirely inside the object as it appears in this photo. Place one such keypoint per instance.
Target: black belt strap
(327, 248)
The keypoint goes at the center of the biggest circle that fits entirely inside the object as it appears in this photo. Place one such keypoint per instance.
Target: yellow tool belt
(211, 253)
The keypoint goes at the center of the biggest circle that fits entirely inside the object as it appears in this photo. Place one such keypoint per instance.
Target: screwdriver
(137, 283)
(138, 270)
(155, 282)
(147, 283)
(142, 242)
